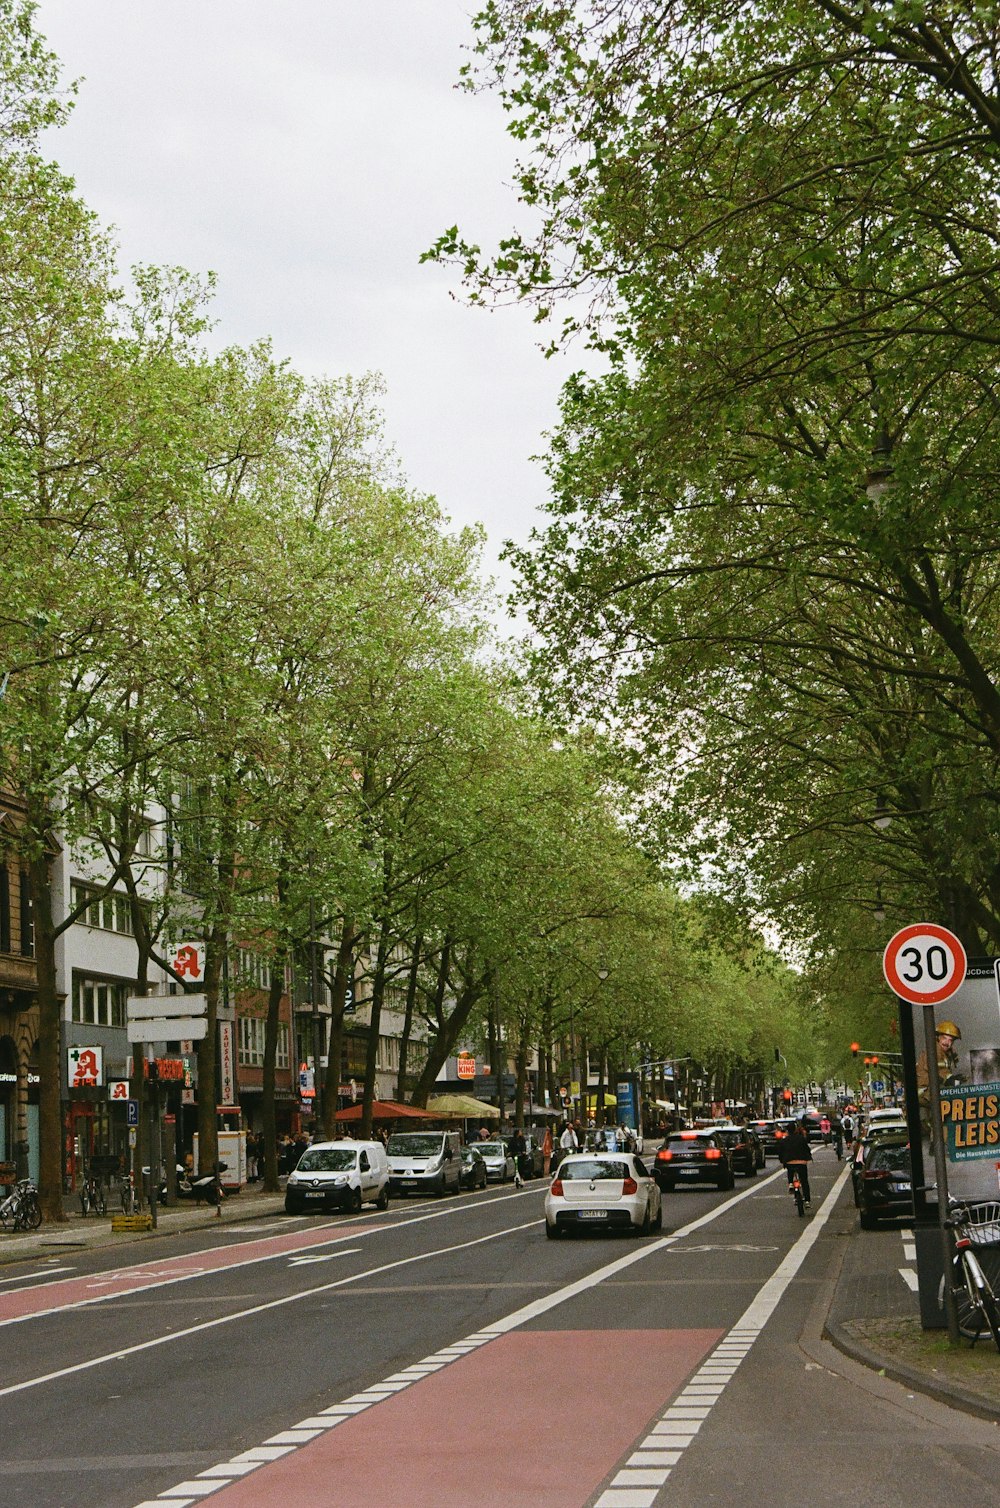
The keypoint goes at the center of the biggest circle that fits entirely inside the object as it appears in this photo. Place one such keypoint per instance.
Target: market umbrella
(464, 1105)
(388, 1110)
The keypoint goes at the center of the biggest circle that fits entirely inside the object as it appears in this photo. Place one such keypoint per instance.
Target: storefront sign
(466, 1067)
(188, 960)
(118, 1089)
(86, 1067)
(227, 1059)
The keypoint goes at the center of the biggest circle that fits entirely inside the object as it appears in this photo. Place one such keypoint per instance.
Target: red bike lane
(95, 1288)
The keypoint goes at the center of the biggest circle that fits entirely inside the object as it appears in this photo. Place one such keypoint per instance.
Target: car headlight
(293, 1178)
(339, 1183)
(433, 1166)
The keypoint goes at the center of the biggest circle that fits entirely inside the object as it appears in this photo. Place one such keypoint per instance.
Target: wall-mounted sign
(466, 1067)
(85, 1067)
(118, 1089)
(188, 960)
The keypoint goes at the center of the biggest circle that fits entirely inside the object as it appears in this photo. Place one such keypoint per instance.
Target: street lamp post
(314, 1000)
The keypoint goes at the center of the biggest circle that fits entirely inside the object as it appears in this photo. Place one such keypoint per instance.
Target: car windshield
(327, 1160)
(894, 1158)
(491, 1149)
(690, 1143)
(731, 1138)
(594, 1168)
(413, 1144)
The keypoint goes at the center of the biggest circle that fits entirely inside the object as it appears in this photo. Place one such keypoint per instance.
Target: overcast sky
(307, 151)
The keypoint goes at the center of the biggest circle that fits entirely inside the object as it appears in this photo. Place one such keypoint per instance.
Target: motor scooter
(199, 1186)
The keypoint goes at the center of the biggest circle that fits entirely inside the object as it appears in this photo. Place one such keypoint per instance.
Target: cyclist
(795, 1156)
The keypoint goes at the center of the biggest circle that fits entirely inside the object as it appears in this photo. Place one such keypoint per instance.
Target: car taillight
(876, 1173)
(557, 1187)
(712, 1154)
(663, 1155)
(630, 1186)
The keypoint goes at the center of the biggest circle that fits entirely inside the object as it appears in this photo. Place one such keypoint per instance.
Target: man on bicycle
(795, 1156)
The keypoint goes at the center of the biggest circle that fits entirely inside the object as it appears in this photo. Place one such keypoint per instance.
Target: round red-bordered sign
(924, 963)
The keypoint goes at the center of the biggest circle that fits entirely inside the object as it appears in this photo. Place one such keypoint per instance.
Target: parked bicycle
(976, 1267)
(129, 1204)
(92, 1196)
(21, 1209)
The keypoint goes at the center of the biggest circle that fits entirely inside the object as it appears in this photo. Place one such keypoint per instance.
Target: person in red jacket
(795, 1156)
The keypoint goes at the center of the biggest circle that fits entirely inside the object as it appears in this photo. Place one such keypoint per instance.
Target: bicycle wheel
(84, 1202)
(32, 1212)
(128, 1199)
(800, 1203)
(100, 1203)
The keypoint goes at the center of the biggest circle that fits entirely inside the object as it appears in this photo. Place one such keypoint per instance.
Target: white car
(889, 1117)
(496, 1156)
(338, 1175)
(603, 1191)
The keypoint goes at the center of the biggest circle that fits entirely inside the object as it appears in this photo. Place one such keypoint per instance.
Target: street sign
(878, 1086)
(168, 1029)
(924, 963)
(142, 1007)
(132, 1113)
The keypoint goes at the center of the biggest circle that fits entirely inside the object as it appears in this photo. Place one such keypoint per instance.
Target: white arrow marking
(326, 1257)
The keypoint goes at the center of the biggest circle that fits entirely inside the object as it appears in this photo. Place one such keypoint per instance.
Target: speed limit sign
(924, 963)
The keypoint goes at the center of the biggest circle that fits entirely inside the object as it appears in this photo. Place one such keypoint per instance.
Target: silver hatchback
(603, 1191)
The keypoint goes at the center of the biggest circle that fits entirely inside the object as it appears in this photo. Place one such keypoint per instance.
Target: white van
(340, 1175)
(424, 1161)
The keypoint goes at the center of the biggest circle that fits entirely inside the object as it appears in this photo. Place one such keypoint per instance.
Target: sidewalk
(874, 1318)
(88, 1232)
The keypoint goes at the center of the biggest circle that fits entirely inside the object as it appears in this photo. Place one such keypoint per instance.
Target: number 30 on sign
(924, 963)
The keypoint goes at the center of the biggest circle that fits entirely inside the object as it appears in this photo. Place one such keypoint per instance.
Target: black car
(742, 1146)
(472, 1169)
(877, 1137)
(885, 1188)
(771, 1132)
(693, 1157)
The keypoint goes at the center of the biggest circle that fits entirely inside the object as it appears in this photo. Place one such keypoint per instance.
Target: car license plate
(689, 1172)
(318, 1194)
(592, 1214)
(904, 1185)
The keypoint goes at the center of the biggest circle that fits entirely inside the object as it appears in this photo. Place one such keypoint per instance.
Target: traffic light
(777, 1056)
(875, 1060)
(855, 1049)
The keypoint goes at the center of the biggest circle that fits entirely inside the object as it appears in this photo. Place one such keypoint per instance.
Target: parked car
(496, 1156)
(472, 1173)
(532, 1163)
(886, 1184)
(742, 1146)
(862, 1150)
(772, 1132)
(603, 1191)
(338, 1175)
(890, 1116)
(424, 1161)
(693, 1157)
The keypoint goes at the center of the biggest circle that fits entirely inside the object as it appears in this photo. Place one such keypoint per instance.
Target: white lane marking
(29, 1277)
(328, 1256)
(241, 1314)
(909, 1277)
(340, 1412)
(649, 1466)
(148, 1269)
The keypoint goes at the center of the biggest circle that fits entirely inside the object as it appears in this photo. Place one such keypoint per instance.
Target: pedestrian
(485, 1133)
(547, 1146)
(838, 1135)
(795, 1156)
(568, 1141)
(518, 1150)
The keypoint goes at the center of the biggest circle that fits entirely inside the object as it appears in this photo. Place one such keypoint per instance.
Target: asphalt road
(445, 1354)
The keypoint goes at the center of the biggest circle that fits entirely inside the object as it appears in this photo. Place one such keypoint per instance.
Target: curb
(77, 1234)
(938, 1389)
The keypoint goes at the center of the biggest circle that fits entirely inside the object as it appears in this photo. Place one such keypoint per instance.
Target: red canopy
(387, 1110)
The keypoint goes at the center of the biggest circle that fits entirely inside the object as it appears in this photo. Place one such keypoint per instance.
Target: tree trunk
(411, 999)
(271, 1025)
(50, 1126)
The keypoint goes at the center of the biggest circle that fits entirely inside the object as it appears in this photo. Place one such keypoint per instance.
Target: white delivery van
(424, 1162)
(341, 1175)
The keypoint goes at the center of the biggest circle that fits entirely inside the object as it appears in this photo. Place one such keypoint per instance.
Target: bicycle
(92, 1196)
(129, 1203)
(975, 1225)
(21, 1209)
(798, 1196)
